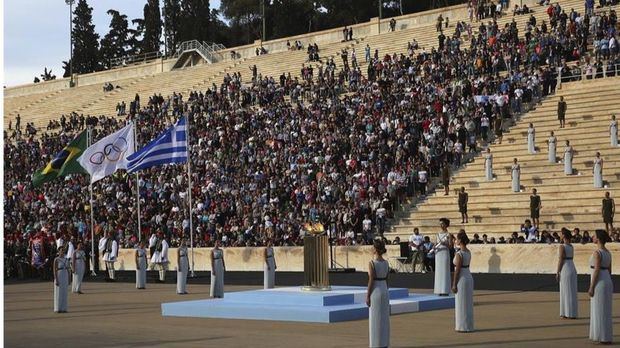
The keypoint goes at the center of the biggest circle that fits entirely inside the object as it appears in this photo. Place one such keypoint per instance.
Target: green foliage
(115, 44)
(151, 41)
(85, 40)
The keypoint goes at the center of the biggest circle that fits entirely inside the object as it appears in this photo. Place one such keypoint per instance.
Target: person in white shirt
(416, 240)
(367, 227)
(109, 247)
(160, 256)
(380, 214)
(423, 179)
(530, 231)
(152, 243)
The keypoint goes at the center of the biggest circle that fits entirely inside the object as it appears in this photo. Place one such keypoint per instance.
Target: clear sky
(36, 34)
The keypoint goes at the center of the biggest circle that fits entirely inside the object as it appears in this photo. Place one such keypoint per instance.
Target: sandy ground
(117, 315)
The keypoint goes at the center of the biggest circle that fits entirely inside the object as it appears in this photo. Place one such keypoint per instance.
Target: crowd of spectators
(343, 147)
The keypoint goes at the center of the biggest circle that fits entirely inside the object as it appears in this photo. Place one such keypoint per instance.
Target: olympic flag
(169, 147)
(109, 154)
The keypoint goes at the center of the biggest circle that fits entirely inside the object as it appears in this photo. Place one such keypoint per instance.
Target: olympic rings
(111, 152)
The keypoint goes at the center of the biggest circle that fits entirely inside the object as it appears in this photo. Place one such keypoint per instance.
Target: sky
(36, 34)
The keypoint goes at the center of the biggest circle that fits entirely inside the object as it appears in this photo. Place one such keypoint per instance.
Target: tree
(66, 66)
(85, 40)
(195, 20)
(245, 19)
(115, 43)
(135, 37)
(151, 40)
(172, 22)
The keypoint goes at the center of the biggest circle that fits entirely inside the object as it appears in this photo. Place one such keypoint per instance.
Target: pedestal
(316, 257)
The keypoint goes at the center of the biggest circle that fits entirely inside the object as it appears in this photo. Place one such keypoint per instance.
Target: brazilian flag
(64, 163)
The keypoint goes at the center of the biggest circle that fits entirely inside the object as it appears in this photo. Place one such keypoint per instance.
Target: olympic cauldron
(316, 258)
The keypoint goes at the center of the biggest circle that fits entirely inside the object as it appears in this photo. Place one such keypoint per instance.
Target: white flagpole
(135, 139)
(92, 214)
(189, 186)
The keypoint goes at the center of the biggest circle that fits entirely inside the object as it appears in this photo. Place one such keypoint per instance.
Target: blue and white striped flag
(169, 147)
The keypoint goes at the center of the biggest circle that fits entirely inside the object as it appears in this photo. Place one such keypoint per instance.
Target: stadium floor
(118, 315)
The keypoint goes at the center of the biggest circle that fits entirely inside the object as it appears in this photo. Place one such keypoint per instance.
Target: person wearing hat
(141, 265)
(182, 267)
(442, 259)
(61, 281)
(160, 256)
(109, 247)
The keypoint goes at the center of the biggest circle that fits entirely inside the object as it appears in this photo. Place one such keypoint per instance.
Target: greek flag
(169, 147)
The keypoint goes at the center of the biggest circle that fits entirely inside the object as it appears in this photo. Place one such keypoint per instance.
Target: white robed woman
(568, 159)
(531, 139)
(551, 145)
(218, 267)
(79, 267)
(567, 277)
(378, 298)
(61, 281)
(613, 131)
(141, 266)
(269, 278)
(515, 175)
(463, 286)
(597, 171)
(601, 291)
(182, 267)
(488, 165)
(442, 259)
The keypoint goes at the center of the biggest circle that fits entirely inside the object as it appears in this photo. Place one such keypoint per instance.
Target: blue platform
(342, 303)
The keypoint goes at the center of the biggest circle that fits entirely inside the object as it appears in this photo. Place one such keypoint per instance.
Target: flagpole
(135, 137)
(92, 214)
(189, 186)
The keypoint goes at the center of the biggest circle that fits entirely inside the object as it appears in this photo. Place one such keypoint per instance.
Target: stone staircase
(568, 201)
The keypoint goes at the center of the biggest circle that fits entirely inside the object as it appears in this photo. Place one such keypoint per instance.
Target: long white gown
(61, 291)
(379, 311)
(552, 152)
(80, 268)
(531, 140)
(464, 298)
(269, 268)
(613, 132)
(442, 265)
(568, 285)
(182, 270)
(488, 167)
(568, 160)
(217, 280)
(141, 273)
(516, 177)
(598, 173)
(601, 325)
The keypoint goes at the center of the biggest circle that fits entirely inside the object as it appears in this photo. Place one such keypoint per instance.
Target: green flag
(64, 163)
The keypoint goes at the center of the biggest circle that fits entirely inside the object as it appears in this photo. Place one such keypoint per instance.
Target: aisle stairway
(568, 201)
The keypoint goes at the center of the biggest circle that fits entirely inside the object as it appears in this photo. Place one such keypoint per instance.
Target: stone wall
(499, 258)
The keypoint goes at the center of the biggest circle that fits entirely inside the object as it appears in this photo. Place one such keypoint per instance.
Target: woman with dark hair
(597, 171)
(442, 259)
(567, 277)
(551, 145)
(269, 276)
(182, 267)
(141, 265)
(568, 159)
(378, 299)
(61, 281)
(79, 267)
(463, 286)
(515, 175)
(218, 267)
(531, 139)
(601, 291)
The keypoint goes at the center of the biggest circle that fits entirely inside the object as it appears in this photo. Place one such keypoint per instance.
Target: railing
(206, 49)
(122, 61)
